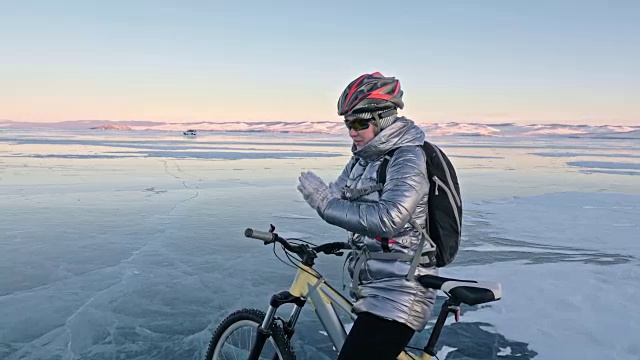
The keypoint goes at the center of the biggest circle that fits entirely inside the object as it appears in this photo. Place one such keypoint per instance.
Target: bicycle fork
(264, 330)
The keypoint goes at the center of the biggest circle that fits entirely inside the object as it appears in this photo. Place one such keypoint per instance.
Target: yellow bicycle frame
(324, 300)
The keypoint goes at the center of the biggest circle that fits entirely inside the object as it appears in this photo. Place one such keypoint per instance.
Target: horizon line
(302, 121)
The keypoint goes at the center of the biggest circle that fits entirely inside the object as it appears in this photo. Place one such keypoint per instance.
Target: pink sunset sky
(519, 62)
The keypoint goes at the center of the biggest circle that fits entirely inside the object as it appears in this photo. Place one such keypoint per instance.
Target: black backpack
(444, 221)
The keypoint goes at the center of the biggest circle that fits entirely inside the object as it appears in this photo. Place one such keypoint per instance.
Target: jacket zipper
(453, 204)
(446, 172)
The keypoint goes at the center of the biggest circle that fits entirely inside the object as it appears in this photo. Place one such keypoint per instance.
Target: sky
(571, 62)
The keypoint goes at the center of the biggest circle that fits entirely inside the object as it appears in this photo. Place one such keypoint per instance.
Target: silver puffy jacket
(380, 286)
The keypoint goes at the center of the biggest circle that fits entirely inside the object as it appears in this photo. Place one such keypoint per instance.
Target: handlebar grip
(260, 235)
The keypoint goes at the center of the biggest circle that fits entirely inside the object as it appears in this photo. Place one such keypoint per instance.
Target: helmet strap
(377, 116)
(387, 113)
(377, 121)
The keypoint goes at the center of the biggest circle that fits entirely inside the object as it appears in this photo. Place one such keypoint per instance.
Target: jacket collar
(401, 133)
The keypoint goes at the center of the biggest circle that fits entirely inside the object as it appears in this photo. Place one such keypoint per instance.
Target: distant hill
(337, 127)
(111, 127)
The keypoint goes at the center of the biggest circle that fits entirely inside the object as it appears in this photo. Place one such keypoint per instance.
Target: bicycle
(309, 286)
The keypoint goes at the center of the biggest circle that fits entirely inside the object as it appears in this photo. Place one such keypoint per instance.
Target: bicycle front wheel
(235, 335)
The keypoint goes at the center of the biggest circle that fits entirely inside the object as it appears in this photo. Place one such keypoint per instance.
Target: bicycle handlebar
(269, 237)
(302, 249)
(260, 235)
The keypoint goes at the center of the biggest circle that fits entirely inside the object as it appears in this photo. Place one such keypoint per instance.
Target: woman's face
(361, 132)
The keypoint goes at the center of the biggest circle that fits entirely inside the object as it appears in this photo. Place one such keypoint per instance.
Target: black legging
(375, 338)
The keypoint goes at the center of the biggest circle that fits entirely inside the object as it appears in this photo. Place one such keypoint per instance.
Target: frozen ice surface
(566, 306)
(585, 154)
(605, 165)
(110, 252)
(505, 352)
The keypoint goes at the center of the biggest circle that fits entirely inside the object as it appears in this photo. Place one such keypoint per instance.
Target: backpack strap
(382, 169)
(353, 164)
(381, 177)
(384, 243)
(420, 250)
(361, 257)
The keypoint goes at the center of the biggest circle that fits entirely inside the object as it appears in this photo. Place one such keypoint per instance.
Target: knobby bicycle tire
(256, 316)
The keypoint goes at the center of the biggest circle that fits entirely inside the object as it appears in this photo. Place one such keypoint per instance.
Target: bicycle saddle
(468, 292)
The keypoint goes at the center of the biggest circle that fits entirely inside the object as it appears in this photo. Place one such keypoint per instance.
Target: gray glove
(337, 191)
(315, 192)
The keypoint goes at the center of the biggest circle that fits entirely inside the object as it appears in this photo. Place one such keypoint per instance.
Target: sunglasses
(357, 124)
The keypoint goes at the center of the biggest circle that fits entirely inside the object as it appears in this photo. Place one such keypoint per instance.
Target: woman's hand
(315, 192)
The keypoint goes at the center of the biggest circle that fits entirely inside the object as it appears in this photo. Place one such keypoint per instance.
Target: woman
(390, 307)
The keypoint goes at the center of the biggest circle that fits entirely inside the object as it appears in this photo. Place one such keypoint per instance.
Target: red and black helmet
(370, 93)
